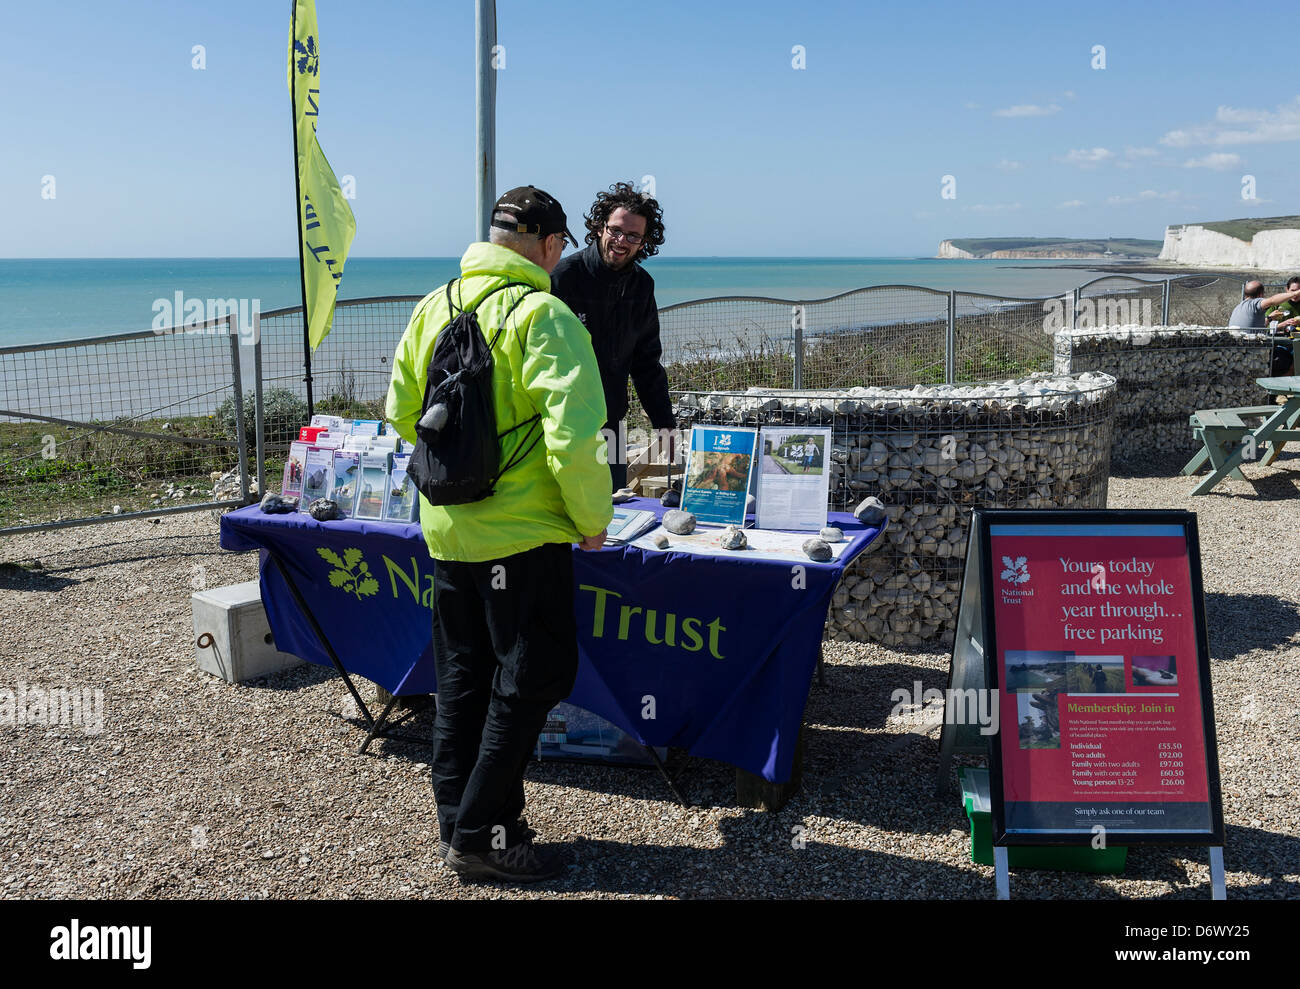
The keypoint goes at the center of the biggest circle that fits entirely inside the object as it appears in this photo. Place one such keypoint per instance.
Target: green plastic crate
(1062, 858)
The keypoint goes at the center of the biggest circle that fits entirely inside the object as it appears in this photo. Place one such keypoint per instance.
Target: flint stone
(733, 537)
(274, 504)
(660, 540)
(817, 550)
(671, 499)
(870, 511)
(323, 510)
(832, 535)
(679, 522)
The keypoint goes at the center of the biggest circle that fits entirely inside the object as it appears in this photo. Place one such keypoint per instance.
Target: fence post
(1164, 306)
(796, 323)
(258, 415)
(232, 328)
(1074, 308)
(950, 342)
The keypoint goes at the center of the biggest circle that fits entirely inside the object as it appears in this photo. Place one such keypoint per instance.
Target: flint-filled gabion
(1163, 375)
(932, 453)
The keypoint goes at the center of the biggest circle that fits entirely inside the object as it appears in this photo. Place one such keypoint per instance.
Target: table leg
(1292, 412)
(754, 791)
(1195, 464)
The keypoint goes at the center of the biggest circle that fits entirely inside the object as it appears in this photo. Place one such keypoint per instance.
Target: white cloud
(1028, 110)
(1088, 157)
(1145, 196)
(1071, 204)
(1006, 165)
(1068, 94)
(1140, 152)
(1219, 161)
(1237, 125)
(991, 207)
(971, 106)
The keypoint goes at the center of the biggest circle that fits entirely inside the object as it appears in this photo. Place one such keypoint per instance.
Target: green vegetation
(980, 246)
(49, 471)
(1244, 229)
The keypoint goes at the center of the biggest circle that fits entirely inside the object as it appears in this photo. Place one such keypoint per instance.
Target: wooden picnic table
(1229, 440)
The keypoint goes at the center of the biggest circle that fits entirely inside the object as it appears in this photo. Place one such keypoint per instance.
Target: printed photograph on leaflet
(717, 474)
(793, 482)
(1093, 624)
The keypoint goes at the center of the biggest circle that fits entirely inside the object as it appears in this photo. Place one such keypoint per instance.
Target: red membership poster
(1106, 722)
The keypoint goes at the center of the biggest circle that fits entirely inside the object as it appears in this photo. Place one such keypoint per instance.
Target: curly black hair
(623, 194)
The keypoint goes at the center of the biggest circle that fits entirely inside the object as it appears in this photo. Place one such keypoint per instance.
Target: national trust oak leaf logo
(351, 572)
(308, 58)
(1017, 571)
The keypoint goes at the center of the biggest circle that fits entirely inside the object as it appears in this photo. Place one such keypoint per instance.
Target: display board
(793, 477)
(718, 468)
(1091, 631)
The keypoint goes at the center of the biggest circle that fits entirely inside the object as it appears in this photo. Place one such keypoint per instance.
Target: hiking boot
(520, 863)
(522, 831)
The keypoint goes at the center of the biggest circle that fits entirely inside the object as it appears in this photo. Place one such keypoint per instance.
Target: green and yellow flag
(325, 221)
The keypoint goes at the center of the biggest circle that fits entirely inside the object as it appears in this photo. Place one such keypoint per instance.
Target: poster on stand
(1093, 637)
(793, 477)
(718, 469)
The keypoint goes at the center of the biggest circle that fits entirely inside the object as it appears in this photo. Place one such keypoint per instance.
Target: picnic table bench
(1228, 439)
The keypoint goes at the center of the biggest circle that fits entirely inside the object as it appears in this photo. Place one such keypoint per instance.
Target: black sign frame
(981, 522)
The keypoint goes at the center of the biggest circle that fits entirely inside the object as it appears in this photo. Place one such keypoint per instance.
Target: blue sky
(750, 156)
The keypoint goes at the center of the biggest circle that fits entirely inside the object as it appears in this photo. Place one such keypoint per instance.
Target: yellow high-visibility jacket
(542, 364)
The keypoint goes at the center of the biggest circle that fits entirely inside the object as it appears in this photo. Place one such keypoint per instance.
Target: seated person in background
(1284, 318)
(1249, 313)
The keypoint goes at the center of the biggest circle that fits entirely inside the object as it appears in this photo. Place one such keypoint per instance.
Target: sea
(55, 299)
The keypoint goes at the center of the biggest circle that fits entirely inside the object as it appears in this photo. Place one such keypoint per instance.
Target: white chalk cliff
(1274, 250)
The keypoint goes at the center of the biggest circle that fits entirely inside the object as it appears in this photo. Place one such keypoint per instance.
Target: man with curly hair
(611, 293)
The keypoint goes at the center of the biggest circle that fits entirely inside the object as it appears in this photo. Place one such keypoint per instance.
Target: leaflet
(793, 478)
(718, 470)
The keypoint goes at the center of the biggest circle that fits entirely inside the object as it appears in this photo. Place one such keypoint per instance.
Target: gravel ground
(196, 788)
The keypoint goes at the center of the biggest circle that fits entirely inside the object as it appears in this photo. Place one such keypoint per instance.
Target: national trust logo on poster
(1017, 571)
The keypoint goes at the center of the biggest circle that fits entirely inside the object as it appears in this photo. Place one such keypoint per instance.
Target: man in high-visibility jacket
(504, 633)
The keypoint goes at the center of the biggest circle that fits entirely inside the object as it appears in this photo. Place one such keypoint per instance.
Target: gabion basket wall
(1163, 375)
(931, 454)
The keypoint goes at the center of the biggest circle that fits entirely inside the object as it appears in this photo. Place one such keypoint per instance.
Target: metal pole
(1074, 308)
(797, 326)
(259, 415)
(1164, 307)
(297, 207)
(485, 92)
(232, 327)
(950, 345)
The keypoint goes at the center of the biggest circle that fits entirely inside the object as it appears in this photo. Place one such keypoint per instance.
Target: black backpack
(457, 457)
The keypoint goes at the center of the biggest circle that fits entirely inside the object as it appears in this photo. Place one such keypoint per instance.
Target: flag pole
(297, 218)
(485, 30)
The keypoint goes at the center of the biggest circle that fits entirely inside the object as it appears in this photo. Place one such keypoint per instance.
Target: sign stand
(1088, 643)
(1001, 874)
(1218, 879)
(967, 669)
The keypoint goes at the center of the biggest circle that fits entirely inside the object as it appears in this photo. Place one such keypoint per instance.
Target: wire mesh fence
(350, 369)
(883, 335)
(132, 422)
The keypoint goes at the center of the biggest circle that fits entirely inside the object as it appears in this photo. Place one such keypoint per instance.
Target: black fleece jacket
(618, 308)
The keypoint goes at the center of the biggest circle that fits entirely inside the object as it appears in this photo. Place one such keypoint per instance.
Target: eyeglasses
(615, 233)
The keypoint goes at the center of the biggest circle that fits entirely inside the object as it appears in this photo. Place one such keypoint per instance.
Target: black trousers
(616, 441)
(505, 643)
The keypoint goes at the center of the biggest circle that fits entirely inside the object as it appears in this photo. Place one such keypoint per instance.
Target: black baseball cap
(535, 212)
